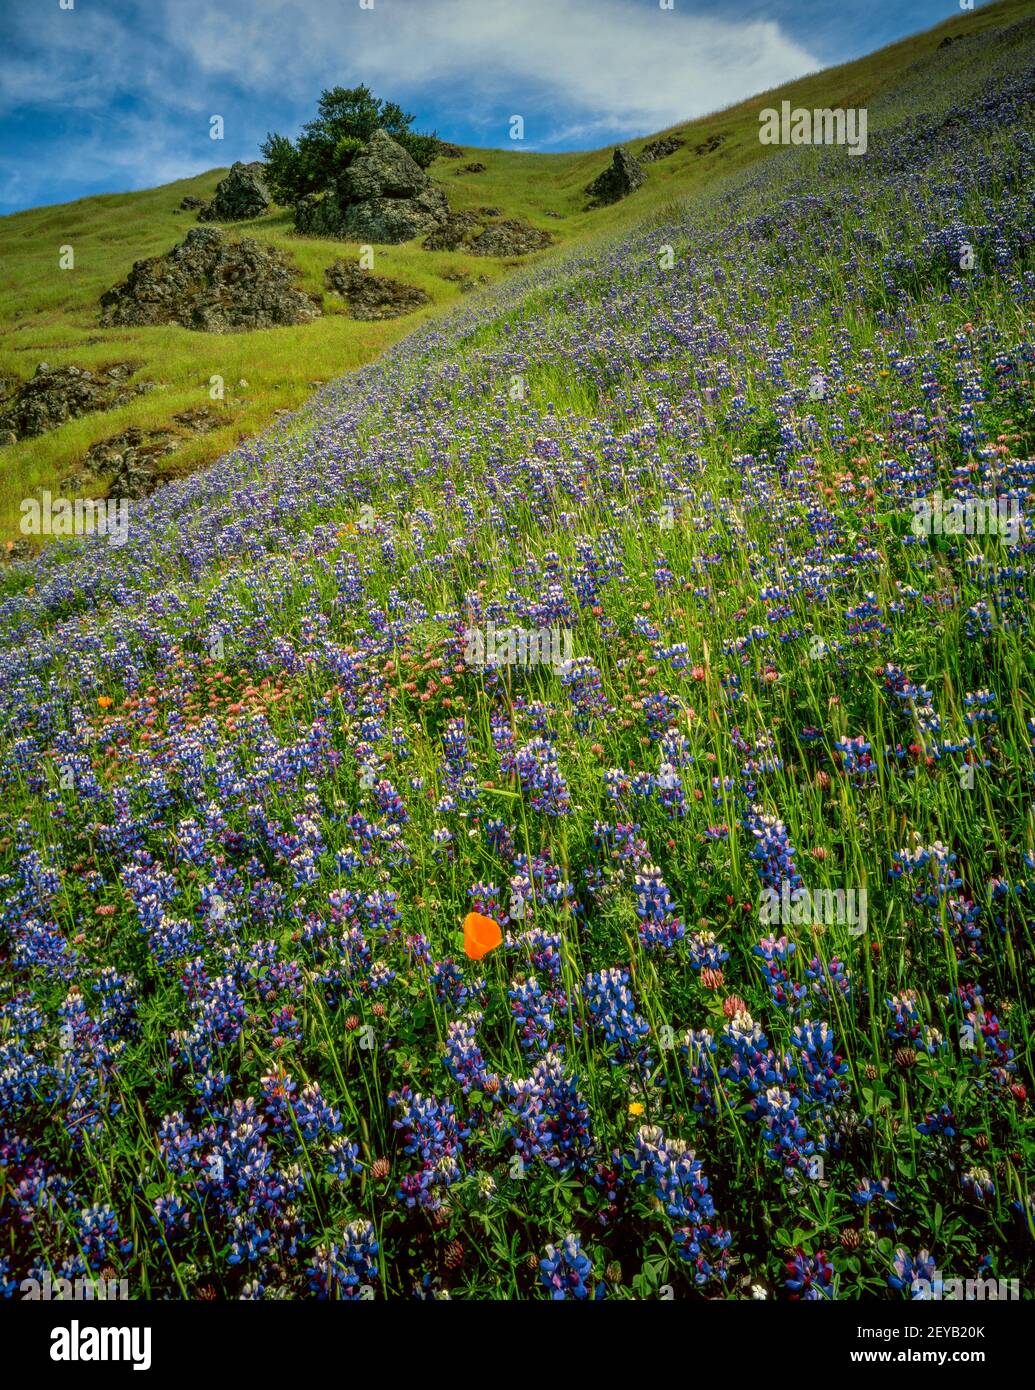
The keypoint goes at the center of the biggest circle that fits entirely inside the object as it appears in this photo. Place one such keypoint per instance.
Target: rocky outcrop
(57, 394)
(482, 235)
(320, 215)
(622, 176)
(240, 195)
(192, 204)
(212, 284)
(447, 150)
(474, 168)
(455, 233)
(383, 196)
(370, 296)
(661, 149)
(708, 146)
(127, 464)
(464, 281)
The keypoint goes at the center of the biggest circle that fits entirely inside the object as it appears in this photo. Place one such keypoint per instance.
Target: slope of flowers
(258, 764)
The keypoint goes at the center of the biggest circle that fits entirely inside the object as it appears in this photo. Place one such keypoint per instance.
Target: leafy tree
(348, 116)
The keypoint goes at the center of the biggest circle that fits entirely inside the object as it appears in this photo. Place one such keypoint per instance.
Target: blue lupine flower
(565, 1271)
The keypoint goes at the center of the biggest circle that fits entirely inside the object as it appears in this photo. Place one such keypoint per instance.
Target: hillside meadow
(551, 819)
(51, 315)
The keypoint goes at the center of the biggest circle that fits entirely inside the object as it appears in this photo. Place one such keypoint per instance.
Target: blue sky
(113, 95)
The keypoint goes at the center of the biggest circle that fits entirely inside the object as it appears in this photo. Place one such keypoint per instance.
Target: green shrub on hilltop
(348, 116)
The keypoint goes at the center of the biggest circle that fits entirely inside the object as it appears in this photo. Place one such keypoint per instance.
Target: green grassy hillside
(49, 314)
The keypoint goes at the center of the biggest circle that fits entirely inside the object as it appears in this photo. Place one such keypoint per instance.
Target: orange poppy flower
(104, 701)
(481, 935)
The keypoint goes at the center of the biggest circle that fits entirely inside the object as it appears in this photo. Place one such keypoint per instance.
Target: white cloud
(130, 88)
(625, 66)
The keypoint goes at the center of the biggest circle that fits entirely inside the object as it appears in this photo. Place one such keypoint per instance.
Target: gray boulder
(622, 176)
(320, 215)
(130, 464)
(383, 169)
(661, 149)
(481, 234)
(212, 284)
(57, 394)
(710, 145)
(240, 195)
(383, 196)
(371, 296)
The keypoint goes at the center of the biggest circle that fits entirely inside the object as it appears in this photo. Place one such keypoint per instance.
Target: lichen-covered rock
(212, 284)
(387, 195)
(710, 145)
(661, 149)
(464, 281)
(511, 236)
(370, 296)
(320, 215)
(622, 176)
(383, 169)
(129, 464)
(240, 195)
(472, 232)
(383, 196)
(57, 394)
(455, 233)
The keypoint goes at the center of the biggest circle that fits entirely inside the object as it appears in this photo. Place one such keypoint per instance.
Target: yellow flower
(635, 1108)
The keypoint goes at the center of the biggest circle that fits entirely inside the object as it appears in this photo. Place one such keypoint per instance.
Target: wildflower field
(545, 821)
